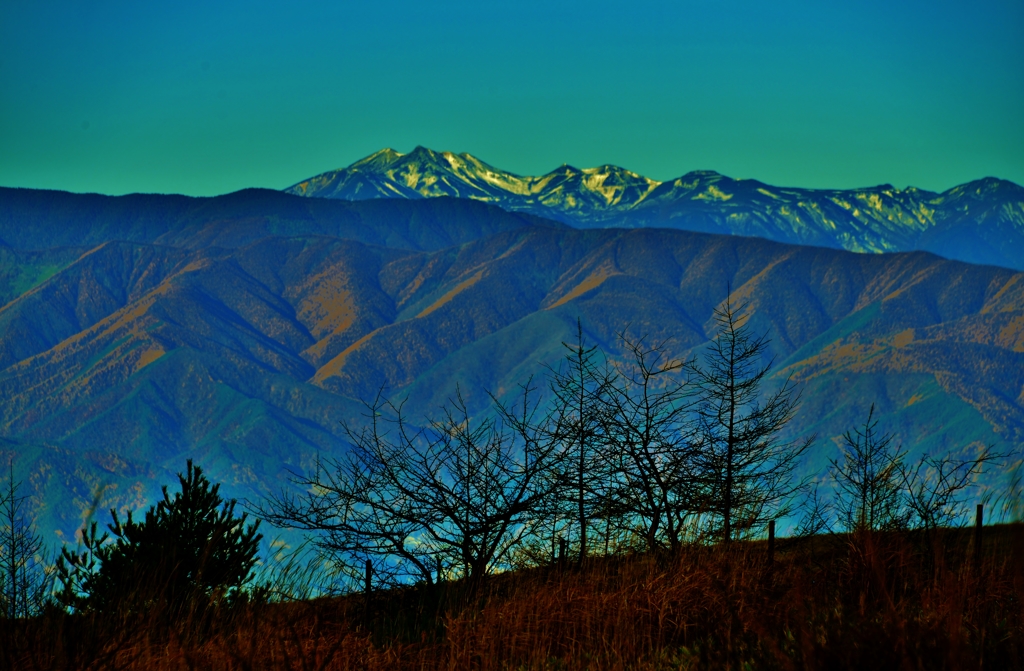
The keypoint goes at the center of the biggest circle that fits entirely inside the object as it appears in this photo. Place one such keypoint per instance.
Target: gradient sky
(209, 97)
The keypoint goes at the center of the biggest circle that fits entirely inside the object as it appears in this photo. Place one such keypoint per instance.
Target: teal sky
(209, 97)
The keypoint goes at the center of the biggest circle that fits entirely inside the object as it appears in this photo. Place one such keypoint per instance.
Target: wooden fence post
(563, 548)
(978, 521)
(367, 590)
(771, 541)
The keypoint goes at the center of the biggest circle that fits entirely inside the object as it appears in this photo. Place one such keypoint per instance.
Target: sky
(204, 98)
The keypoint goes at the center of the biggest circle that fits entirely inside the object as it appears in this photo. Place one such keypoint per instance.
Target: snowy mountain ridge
(979, 222)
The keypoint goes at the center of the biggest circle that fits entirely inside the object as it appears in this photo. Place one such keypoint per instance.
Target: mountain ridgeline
(978, 222)
(239, 331)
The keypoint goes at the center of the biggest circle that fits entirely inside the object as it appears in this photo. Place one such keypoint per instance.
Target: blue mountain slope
(134, 355)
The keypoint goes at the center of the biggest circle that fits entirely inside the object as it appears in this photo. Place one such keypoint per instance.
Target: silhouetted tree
(651, 443)
(744, 469)
(935, 488)
(580, 390)
(869, 480)
(459, 494)
(188, 549)
(24, 579)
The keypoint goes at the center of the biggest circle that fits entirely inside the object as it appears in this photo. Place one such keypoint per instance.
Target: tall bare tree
(580, 390)
(651, 444)
(24, 580)
(745, 468)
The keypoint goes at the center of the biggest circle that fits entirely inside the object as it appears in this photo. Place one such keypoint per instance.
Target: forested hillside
(130, 341)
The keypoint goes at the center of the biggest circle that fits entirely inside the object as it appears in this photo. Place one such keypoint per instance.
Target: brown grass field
(872, 602)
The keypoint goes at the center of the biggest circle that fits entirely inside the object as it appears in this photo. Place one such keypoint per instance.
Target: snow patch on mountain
(979, 222)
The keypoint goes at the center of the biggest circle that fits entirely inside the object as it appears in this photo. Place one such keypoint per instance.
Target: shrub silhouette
(187, 550)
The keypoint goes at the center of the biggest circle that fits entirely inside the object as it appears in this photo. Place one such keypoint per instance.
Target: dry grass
(837, 602)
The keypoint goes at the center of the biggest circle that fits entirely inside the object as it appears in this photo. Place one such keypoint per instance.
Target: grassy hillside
(832, 602)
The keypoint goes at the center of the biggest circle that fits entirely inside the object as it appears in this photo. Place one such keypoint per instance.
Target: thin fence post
(979, 519)
(438, 569)
(562, 551)
(367, 591)
(771, 541)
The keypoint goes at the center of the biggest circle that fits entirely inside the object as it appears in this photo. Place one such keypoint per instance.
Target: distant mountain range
(140, 330)
(978, 222)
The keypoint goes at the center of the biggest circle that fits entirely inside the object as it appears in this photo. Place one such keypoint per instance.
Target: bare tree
(580, 389)
(24, 578)
(869, 478)
(1010, 503)
(935, 487)
(817, 514)
(878, 490)
(454, 497)
(745, 469)
(650, 445)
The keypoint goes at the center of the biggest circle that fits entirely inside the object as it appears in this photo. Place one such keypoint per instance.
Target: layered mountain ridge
(32, 219)
(978, 222)
(240, 331)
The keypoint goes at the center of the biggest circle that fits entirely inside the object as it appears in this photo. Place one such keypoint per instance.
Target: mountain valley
(241, 330)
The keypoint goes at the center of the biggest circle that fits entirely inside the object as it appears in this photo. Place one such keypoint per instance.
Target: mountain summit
(578, 196)
(979, 222)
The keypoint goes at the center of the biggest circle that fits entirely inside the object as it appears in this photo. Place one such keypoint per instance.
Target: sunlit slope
(979, 222)
(134, 356)
(98, 282)
(831, 316)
